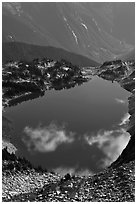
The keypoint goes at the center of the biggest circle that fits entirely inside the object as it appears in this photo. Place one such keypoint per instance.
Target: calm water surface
(78, 130)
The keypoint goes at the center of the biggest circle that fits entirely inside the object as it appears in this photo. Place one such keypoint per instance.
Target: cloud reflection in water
(46, 139)
(49, 138)
(110, 142)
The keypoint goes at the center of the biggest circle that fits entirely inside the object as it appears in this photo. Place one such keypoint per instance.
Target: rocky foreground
(113, 184)
(21, 182)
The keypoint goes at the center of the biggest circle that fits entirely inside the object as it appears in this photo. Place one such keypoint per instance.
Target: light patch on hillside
(65, 18)
(93, 19)
(84, 26)
(76, 39)
(73, 33)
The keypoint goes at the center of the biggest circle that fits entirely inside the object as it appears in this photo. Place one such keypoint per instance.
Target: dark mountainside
(98, 31)
(15, 51)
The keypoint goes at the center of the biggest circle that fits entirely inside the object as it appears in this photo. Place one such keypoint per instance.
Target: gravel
(113, 184)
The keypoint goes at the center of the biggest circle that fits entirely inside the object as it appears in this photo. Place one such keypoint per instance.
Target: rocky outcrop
(124, 74)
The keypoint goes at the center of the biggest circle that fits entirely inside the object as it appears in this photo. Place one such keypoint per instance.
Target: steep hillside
(21, 51)
(86, 28)
(127, 56)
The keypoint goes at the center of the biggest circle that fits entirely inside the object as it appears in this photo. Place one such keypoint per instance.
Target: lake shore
(116, 183)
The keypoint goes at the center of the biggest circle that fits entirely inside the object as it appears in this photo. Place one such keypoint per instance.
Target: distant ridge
(22, 51)
(99, 31)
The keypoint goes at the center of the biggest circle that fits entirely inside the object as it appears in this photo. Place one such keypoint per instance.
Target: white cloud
(84, 172)
(46, 139)
(100, 138)
(120, 101)
(64, 170)
(73, 171)
(125, 119)
(111, 143)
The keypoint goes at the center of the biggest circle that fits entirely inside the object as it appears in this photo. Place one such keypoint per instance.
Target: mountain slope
(21, 51)
(127, 56)
(79, 27)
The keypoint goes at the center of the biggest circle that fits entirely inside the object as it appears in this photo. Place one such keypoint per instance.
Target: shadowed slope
(21, 51)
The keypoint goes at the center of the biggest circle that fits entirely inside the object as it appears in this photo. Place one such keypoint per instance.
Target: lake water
(78, 130)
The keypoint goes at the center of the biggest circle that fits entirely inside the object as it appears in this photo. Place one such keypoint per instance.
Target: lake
(79, 130)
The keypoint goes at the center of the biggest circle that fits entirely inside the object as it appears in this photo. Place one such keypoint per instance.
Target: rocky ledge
(22, 183)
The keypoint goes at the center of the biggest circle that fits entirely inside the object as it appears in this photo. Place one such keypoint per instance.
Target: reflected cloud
(46, 139)
(84, 172)
(49, 138)
(111, 143)
(73, 171)
(120, 101)
(64, 170)
(125, 119)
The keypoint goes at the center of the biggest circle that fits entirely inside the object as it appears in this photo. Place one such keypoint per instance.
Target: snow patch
(76, 39)
(11, 37)
(93, 19)
(73, 33)
(64, 18)
(84, 26)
